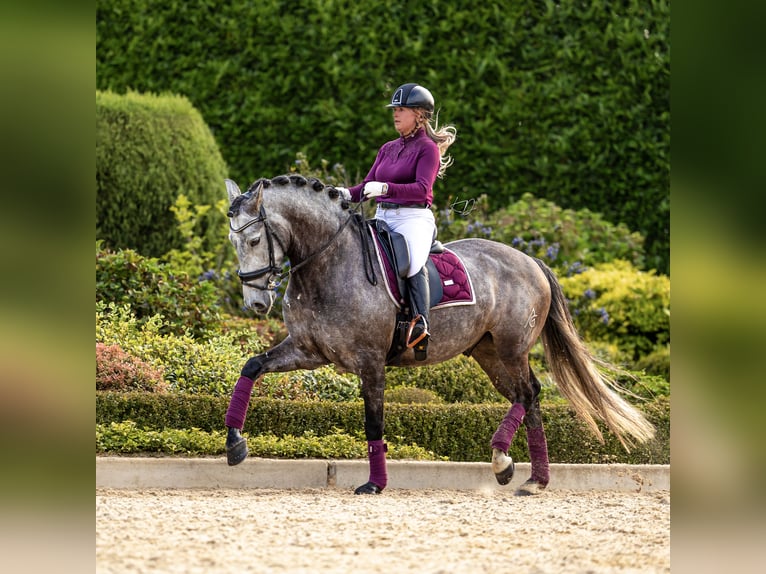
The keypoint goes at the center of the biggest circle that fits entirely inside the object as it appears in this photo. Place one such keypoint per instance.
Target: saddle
(395, 249)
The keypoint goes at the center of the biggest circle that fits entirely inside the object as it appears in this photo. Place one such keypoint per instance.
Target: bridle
(274, 271)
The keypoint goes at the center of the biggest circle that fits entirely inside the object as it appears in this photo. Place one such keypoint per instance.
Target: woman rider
(401, 182)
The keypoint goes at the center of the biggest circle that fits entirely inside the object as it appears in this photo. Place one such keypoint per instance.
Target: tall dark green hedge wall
(568, 100)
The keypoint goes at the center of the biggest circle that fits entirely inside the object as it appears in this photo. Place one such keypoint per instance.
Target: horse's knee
(252, 368)
(373, 430)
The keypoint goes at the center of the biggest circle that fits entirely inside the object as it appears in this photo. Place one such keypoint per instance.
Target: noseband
(274, 271)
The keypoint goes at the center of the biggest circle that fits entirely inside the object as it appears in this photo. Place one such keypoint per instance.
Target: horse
(335, 313)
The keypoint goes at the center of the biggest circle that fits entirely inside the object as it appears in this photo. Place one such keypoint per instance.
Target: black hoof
(530, 488)
(236, 447)
(368, 488)
(504, 476)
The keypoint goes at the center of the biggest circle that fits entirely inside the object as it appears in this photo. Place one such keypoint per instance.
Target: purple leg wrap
(538, 455)
(503, 436)
(376, 452)
(240, 400)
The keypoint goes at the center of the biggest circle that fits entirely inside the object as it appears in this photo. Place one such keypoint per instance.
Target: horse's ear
(232, 189)
(257, 197)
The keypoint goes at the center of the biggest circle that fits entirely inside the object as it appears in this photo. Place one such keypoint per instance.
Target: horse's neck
(310, 229)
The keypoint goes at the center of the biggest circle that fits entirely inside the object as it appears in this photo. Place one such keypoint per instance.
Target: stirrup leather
(423, 335)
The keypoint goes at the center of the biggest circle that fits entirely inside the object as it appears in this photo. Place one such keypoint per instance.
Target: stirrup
(423, 335)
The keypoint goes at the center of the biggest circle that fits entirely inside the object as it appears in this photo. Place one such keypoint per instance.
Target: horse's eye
(254, 241)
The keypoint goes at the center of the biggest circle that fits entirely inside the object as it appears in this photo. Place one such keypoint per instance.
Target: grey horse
(335, 315)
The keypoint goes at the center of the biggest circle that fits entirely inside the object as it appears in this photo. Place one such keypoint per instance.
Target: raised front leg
(284, 357)
(372, 392)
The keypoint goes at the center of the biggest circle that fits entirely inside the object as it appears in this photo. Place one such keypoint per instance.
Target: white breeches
(418, 228)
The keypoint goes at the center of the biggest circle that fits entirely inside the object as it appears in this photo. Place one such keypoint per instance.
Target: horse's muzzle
(259, 300)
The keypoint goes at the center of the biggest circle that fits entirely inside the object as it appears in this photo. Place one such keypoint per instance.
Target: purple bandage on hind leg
(240, 400)
(376, 452)
(503, 436)
(538, 455)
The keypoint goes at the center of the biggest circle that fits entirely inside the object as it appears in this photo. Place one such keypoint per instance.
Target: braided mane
(293, 179)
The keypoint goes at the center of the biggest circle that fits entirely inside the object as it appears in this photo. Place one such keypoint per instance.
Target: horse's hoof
(530, 488)
(368, 488)
(504, 476)
(236, 447)
(503, 466)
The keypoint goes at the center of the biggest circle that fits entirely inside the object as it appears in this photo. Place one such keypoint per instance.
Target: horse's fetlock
(252, 368)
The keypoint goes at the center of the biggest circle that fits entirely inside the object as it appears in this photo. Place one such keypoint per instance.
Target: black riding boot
(420, 301)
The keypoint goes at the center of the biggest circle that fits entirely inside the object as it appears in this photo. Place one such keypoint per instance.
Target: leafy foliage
(412, 395)
(324, 384)
(152, 288)
(656, 363)
(189, 365)
(117, 370)
(459, 380)
(614, 302)
(126, 437)
(569, 241)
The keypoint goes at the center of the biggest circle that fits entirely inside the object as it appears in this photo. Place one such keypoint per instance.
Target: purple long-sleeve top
(409, 166)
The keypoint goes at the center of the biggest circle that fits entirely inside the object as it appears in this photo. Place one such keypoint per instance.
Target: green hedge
(565, 100)
(459, 431)
(149, 150)
(128, 438)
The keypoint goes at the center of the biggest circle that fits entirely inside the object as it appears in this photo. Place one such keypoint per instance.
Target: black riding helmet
(412, 96)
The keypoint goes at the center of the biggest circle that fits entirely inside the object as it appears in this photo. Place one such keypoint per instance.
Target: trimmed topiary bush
(149, 149)
(656, 363)
(460, 432)
(324, 384)
(127, 438)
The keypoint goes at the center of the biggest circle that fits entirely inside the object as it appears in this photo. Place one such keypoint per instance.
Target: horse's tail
(591, 393)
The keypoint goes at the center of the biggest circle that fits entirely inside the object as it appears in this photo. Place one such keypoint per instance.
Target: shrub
(324, 383)
(567, 240)
(153, 288)
(116, 370)
(459, 380)
(189, 365)
(616, 303)
(411, 395)
(215, 268)
(127, 438)
(656, 363)
(149, 149)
